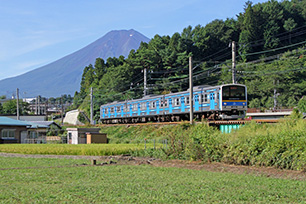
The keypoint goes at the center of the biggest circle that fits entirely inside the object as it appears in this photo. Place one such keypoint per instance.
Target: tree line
(9, 107)
(269, 62)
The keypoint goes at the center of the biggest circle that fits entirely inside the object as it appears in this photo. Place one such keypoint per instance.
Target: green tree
(1, 109)
(10, 107)
(302, 105)
(289, 25)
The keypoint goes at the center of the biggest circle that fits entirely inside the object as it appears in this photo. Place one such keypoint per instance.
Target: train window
(233, 92)
(166, 103)
(105, 110)
(112, 110)
(143, 106)
(204, 98)
(187, 100)
(177, 102)
(152, 104)
(196, 98)
(134, 106)
(118, 109)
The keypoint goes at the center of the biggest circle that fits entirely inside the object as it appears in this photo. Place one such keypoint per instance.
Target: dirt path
(196, 165)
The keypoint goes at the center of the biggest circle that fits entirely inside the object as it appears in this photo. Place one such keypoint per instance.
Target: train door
(157, 107)
(131, 110)
(148, 108)
(103, 112)
(196, 102)
(138, 108)
(183, 104)
(122, 111)
(170, 105)
(212, 100)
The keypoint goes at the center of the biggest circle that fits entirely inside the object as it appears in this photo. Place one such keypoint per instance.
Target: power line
(272, 50)
(293, 34)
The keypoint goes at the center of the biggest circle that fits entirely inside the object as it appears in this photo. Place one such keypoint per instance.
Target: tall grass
(281, 145)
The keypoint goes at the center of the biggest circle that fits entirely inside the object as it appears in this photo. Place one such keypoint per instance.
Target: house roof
(11, 122)
(36, 125)
(47, 123)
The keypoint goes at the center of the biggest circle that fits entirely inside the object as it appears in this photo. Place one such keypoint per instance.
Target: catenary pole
(190, 90)
(234, 62)
(91, 106)
(145, 82)
(62, 110)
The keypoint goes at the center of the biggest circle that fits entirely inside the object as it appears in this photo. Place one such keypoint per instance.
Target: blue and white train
(212, 102)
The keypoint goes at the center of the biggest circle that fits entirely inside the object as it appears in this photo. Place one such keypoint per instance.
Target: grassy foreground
(65, 183)
(281, 145)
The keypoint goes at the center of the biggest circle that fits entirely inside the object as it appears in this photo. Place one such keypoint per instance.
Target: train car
(212, 102)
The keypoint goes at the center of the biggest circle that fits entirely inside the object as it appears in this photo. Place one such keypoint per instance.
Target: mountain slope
(64, 75)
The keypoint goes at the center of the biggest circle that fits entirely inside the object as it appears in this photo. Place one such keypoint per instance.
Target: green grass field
(66, 183)
(81, 149)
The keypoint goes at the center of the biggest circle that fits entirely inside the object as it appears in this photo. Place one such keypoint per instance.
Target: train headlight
(224, 104)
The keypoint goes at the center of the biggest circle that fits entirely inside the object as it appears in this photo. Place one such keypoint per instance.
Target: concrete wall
(71, 117)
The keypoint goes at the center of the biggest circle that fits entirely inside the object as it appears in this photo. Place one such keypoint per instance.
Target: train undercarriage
(212, 115)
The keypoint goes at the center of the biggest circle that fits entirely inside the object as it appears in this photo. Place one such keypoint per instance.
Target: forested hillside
(271, 60)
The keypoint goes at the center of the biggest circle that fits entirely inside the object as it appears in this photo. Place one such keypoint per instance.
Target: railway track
(212, 122)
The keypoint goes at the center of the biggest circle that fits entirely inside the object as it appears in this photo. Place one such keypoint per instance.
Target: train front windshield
(233, 92)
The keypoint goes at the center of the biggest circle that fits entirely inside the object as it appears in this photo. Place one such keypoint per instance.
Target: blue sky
(34, 33)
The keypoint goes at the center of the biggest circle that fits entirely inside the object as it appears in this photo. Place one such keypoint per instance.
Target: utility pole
(62, 110)
(46, 107)
(190, 90)
(275, 94)
(17, 96)
(145, 82)
(38, 105)
(234, 62)
(91, 106)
